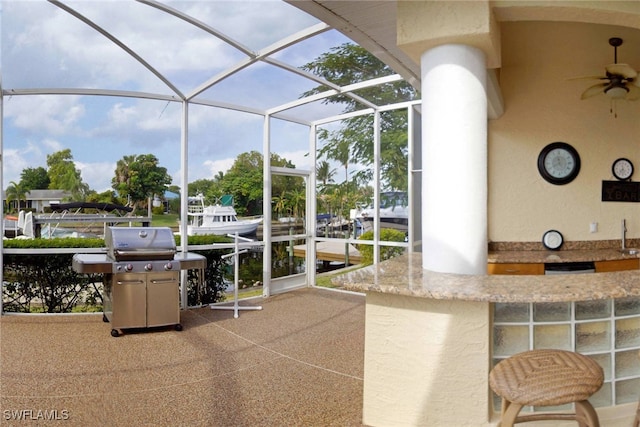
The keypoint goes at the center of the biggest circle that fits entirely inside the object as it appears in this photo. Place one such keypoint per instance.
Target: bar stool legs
(510, 413)
(585, 415)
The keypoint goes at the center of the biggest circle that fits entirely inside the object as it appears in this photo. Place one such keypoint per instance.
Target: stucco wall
(426, 362)
(543, 106)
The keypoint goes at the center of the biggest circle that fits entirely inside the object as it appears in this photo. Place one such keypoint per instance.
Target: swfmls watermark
(35, 415)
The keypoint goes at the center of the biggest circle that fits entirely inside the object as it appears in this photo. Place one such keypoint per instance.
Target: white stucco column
(454, 160)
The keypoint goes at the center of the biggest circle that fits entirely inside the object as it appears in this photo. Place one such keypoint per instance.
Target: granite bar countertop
(547, 256)
(534, 252)
(404, 275)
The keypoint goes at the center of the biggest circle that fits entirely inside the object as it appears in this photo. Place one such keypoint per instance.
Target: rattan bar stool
(547, 378)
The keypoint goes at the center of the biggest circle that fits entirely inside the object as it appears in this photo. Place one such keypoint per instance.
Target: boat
(20, 227)
(220, 218)
(331, 225)
(11, 227)
(89, 219)
(394, 212)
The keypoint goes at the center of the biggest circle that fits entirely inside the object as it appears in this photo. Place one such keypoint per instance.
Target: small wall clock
(622, 169)
(559, 163)
(552, 240)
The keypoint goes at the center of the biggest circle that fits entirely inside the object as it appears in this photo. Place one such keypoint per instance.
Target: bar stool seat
(547, 378)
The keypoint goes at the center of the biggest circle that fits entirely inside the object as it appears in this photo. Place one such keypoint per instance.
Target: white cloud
(97, 175)
(54, 115)
(214, 167)
(206, 169)
(299, 158)
(52, 145)
(120, 115)
(13, 164)
(44, 46)
(27, 155)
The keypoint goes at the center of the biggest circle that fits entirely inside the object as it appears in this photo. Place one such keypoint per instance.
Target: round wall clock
(559, 163)
(552, 239)
(622, 169)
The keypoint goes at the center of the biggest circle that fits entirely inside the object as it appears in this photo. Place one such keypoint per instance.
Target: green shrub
(204, 239)
(47, 283)
(386, 252)
(64, 242)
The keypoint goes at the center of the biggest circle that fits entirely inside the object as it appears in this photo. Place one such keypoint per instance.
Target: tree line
(136, 178)
(352, 143)
(244, 181)
(139, 177)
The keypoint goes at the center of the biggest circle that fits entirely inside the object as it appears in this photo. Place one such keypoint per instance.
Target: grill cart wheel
(178, 327)
(115, 333)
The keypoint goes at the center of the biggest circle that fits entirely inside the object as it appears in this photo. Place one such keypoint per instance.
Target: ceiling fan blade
(594, 90)
(588, 78)
(634, 93)
(624, 70)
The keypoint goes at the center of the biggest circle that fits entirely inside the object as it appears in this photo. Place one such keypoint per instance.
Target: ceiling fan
(620, 80)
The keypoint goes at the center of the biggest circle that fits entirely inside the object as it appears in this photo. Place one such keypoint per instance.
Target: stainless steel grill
(141, 281)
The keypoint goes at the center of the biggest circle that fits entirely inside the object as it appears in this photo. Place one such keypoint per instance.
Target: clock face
(559, 163)
(552, 239)
(622, 169)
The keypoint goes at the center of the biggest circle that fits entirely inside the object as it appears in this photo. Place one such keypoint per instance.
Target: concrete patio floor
(297, 362)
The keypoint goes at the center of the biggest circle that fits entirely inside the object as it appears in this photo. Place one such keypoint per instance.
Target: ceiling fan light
(617, 92)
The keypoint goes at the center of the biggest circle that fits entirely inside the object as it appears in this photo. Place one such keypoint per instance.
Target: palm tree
(280, 203)
(297, 199)
(16, 192)
(339, 151)
(324, 173)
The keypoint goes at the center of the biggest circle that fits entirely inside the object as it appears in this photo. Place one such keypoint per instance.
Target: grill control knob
(128, 267)
(168, 266)
(148, 267)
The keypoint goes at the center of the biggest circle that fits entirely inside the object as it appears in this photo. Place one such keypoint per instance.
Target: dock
(330, 252)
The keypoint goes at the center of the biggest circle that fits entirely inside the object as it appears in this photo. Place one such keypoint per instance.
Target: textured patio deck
(298, 362)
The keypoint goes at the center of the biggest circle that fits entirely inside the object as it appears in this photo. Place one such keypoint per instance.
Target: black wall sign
(620, 191)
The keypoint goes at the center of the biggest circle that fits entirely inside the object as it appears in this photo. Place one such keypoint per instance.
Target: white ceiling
(371, 24)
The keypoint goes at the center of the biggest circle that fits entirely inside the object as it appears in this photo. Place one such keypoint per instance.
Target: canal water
(284, 263)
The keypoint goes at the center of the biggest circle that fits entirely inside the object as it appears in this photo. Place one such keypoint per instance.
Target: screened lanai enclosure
(199, 83)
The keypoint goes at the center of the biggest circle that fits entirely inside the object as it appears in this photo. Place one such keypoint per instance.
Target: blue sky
(45, 47)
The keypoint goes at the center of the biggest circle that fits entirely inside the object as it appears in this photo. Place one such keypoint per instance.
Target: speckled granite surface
(404, 276)
(578, 245)
(546, 256)
(534, 252)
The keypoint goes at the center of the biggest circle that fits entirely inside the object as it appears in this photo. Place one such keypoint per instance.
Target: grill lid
(140, 243)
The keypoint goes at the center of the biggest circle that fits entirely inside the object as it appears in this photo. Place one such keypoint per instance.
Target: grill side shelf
(91, 263)
(190, 260)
